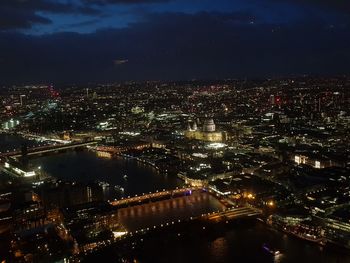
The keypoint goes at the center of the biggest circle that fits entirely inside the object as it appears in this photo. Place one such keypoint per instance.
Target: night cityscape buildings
(174, 131)
(277, 148)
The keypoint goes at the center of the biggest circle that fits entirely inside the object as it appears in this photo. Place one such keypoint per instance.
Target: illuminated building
(316, 162)
(209, 125)
(137, 110)
(15, 168)
(21, 99)
(193, 182)
(337, 227)
(208, 132)
(104, 154)
(92, 223)
(11, 124)
(29, 215)
(66, 136)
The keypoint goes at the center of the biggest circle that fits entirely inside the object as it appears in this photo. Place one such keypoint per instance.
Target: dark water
(241, 242)
(14, 142)
(85, 166)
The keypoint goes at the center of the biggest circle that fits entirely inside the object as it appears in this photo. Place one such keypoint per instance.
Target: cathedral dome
(209, 125)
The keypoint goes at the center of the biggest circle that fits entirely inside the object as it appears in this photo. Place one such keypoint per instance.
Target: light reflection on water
(241, 242)
(278, 258)
(147, 215)
(218, 248)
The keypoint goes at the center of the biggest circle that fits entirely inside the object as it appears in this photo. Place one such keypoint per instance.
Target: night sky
(77, 41)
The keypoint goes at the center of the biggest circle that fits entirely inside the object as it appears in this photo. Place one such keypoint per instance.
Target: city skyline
(176, 171)
(174, 131)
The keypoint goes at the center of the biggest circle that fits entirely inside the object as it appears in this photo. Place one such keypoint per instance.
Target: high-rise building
(21, 99)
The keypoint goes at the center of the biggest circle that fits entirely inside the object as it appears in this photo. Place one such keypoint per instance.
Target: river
(241, 242)
(85, 166)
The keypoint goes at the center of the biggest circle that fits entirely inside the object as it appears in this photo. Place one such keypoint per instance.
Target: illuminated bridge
(174, 210)
(49, 149)
(234, 213)
(156, 196)
(168, 211)
(162, 209)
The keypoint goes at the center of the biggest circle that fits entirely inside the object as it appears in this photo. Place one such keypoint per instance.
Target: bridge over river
(48, 149)
(169, 210)
(197, 205)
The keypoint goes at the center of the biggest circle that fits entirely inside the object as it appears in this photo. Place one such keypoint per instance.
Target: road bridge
(48, 149)
(158, 195)
(200, 208)
(184, 204)
(234, 213)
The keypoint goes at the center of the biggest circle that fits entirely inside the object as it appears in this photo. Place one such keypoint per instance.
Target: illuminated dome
(209, 125)
(194, 127)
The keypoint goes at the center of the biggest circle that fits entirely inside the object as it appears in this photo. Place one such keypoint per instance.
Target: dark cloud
(177, 46)
(23, 14)
(338, 4)
(84, 23)
(106, 2)
(17, 18)
(342, 6)
(48, 5)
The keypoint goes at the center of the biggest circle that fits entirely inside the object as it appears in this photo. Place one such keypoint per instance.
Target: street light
(271, 204)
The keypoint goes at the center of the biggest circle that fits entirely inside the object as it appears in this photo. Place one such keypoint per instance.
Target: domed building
(209, 125)
(207, 133)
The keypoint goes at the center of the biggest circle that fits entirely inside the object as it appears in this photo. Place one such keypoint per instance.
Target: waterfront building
(14, 167)
(104, 154)
(337, 226)
(92, 223)
(194, 182)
